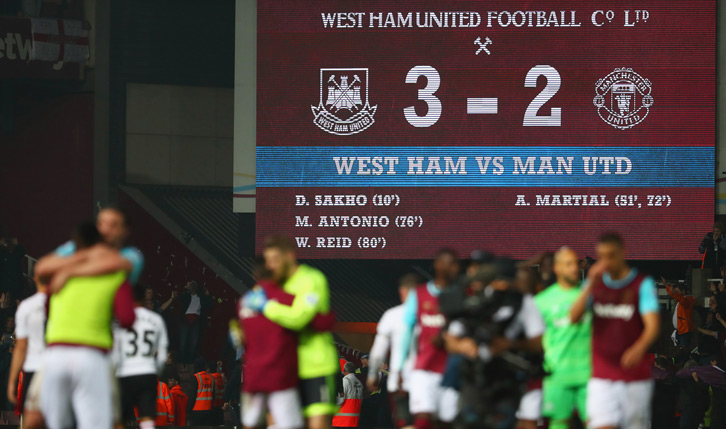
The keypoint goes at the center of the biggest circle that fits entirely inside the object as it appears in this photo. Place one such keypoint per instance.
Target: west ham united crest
(623, 98)
(343, 108)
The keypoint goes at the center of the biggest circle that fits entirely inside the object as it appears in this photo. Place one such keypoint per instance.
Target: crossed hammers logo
(483, 45)
(344, 92)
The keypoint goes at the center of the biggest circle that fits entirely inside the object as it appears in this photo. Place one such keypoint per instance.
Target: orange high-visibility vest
(164, 406)
(349, 413)
(205, 390)
(218, 400)
(180, 405)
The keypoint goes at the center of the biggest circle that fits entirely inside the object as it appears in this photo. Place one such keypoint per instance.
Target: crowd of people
(557, 340)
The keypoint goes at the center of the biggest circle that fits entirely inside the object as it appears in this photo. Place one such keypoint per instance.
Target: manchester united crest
(343, 108)
(623, 98)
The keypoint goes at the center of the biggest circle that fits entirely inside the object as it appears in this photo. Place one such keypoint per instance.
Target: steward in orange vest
(164, 406)
(180, 400)
(349, 413)
(202, 409)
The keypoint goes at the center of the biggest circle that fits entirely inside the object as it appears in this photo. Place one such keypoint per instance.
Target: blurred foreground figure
(77, 371)
(566, 345)
(625, 324)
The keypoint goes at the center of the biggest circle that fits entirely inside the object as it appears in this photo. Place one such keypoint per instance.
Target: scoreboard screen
(391, 129)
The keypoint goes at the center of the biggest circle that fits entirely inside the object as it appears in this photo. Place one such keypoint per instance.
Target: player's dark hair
(280, 242)
(122, 211)
(446, 251)
(409, 281)
(172, 376)
(86, 235)
(611, 238)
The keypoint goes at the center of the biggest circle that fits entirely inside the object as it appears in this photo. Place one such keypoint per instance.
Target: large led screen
(390, 129)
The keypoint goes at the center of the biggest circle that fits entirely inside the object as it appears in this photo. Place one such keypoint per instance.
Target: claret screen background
(401, 127)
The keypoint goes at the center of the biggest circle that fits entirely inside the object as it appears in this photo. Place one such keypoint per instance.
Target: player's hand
(255, 299)
(596, 271)
(12, 394)
(632, 356)
(372, 384)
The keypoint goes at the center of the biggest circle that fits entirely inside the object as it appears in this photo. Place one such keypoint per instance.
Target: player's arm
(296, 316)
(650, 314)
(50, 264)
(379, 350)
(581, 304)
(21, 349)
(579, 307)
(99, 261)
(410, 312)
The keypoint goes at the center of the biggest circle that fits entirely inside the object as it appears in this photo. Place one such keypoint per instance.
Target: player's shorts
(318, 395)
(76, 378)
(284, 407)
(619, 403)
(560, 401)
(32, 396)
(428, 397)
(530, 406)
(138, 391)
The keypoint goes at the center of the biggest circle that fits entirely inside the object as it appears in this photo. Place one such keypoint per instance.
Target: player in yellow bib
(77, 371)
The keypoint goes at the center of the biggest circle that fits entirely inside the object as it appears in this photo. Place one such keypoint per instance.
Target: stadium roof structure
(361, 290)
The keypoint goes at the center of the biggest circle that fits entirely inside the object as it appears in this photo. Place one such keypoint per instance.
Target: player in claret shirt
(625, 323)
(270, 375)
(300, 305)
(428, 400)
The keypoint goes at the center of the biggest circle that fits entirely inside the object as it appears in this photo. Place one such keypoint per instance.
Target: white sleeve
(163, 348)
(381, 344)
(531, 318)
(21, 322)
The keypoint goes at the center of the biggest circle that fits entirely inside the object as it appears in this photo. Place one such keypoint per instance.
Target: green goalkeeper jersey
(566, 345)
(316, 353)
